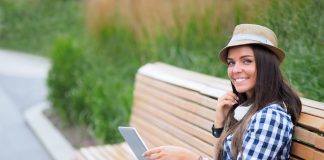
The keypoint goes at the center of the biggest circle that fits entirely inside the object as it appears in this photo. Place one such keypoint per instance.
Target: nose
(237, 68)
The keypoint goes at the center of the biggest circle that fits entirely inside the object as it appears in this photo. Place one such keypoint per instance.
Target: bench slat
(169, 88)
(181, 124)
(313, 111)
(309, 137)
(164, 135)
(311, 122)
(187, 116)
(87, 154)
(177, 101)
(184, 93)
(176, 132)
(306, 152)
(312, 103)
(106, 153)
(210, 81)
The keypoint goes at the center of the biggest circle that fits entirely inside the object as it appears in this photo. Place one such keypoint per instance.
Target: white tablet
(134, 141)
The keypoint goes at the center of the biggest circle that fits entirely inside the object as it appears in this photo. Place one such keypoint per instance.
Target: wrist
(218, 124)
(216, 131)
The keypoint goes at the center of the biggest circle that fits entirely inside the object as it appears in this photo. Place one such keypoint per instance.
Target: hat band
(250, 37)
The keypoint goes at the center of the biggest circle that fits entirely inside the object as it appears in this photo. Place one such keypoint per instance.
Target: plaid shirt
(268, 135)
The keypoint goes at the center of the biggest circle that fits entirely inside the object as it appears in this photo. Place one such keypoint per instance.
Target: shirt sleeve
(268, 135)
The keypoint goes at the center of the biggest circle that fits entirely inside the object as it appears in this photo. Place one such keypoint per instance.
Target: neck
(249, 94)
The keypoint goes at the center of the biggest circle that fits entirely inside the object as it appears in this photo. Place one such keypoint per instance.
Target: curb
(55, 143)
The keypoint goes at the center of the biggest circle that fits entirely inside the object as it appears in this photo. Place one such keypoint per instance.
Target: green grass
(298, 26)
(33, 25)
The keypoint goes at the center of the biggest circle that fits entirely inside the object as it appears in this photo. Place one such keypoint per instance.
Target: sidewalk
(23, 88)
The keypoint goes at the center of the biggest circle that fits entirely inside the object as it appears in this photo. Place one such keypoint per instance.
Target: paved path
(22, 85)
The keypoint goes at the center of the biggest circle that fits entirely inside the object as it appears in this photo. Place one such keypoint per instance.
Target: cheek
(229, 71)
(254, 75)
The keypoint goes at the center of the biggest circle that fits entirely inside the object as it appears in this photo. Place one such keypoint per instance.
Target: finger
(228, 95)
(155, 156)
(232, 97)
(228, 103)
(152, 151)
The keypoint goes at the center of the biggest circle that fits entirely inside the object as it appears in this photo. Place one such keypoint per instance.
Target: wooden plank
(114, 152)
(294, 158)
(153, 73)
(181, 114)
(311, 122)
(149, 143)
(177, 101)
(165, 135)
(188, 74)
(148, 137)
(312, 103)
(110, 151)
(210, 81)
(190, 95)
(313, 111)
(306, 152)
(213, 89)
(107, 153)
(196, 143)
(122, 153)
(87, 154)
(309, 137)
(130, 154)
(181, 124)
(95, 152)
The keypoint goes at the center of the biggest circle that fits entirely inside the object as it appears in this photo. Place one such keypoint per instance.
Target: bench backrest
(173, 106)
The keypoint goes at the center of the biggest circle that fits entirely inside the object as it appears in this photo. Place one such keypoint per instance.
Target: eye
(247, 61)
(230, 62)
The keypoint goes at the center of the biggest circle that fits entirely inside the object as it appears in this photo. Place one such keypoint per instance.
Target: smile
(240, 79)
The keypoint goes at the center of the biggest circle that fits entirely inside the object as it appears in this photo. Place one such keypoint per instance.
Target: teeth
(240, 79)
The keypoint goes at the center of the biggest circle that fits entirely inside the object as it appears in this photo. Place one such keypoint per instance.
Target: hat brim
(223, 53)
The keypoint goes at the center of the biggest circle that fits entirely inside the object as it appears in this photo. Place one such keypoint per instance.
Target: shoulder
(269, 134)
(272, 116)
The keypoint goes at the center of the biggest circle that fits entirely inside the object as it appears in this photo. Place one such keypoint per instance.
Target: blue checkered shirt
(268, 136)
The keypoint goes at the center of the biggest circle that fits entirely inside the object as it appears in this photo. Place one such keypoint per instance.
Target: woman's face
(242, 69)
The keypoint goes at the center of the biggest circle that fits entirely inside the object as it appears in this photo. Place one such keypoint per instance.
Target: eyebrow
(240, 57)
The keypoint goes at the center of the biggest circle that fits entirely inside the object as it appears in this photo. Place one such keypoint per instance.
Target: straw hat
(253, 34)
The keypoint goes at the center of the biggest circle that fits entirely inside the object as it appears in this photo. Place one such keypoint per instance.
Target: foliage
(33, 25)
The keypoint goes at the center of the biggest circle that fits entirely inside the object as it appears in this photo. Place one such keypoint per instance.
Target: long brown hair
(270, 88)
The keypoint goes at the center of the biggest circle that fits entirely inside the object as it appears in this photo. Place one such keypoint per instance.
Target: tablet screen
(134, 141)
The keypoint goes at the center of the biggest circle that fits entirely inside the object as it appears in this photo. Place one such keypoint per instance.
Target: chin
(240, 90)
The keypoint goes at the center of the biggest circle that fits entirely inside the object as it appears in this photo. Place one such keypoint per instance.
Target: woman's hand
(170, 153)
(224, 104)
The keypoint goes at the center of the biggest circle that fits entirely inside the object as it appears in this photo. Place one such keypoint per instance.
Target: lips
(239, 80)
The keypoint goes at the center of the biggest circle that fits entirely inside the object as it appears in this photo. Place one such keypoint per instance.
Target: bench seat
(173, 106)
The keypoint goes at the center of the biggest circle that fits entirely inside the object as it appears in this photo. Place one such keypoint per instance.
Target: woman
(256, 120)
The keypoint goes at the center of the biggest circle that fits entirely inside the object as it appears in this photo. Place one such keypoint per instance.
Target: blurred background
(96, 46)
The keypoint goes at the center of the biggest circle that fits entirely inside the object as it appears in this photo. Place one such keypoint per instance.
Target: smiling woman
(269, 108)
(242, 69)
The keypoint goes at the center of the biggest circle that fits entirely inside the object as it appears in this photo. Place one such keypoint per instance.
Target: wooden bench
(173, 106)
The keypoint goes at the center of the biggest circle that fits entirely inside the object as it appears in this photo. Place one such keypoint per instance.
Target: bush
(68, 64)
(93, 84)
